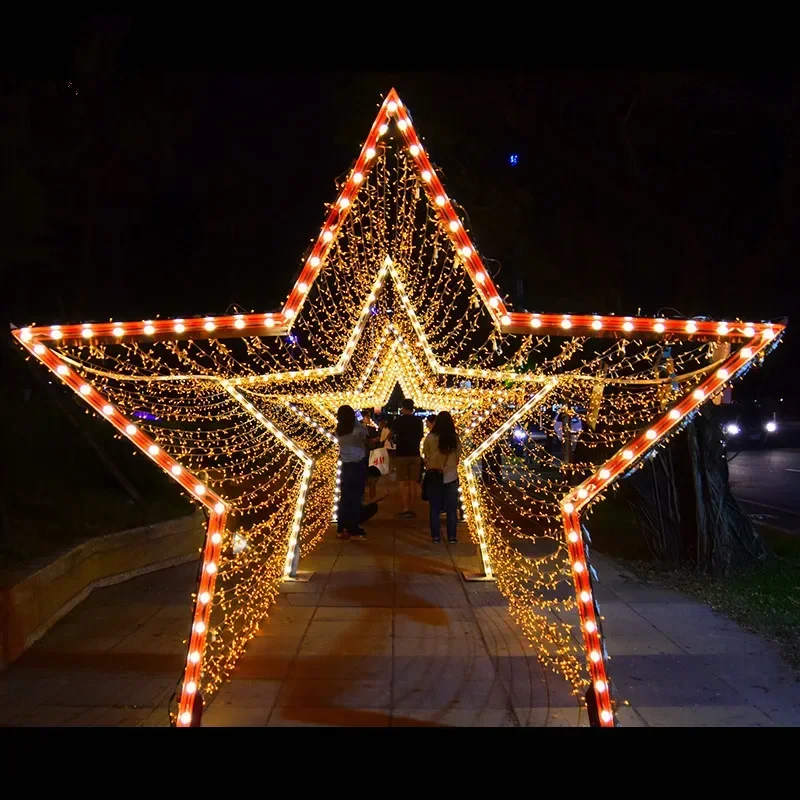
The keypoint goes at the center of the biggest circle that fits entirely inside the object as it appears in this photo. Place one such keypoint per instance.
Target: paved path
(387, 634)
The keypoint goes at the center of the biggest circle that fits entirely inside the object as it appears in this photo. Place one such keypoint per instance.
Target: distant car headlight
(771, 427)
(732, 429)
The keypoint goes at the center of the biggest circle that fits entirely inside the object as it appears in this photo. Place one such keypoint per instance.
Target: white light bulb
(536, 322)
(566, 324)
(585, 596)
(699, 394)
(651, 434)
(569, 508)
(239, 323)
(768, 334)
(357, 177)
(402, 124)
(466, 252)
(573, 537)
(211, 568)
(186, 718)
(302, 287)
(108, 410)
(209, 326)
(118, 331)
(600, 686)
(370, 153)
(494, 301)
(55, 333)
(219, 508)
(62, 369)
(605, 474)
(590, 627)
(749, 330)
(480, 277)
(414, 150)
(746, 352)
(269, 322)
(392, 106)
(87, 333)
(454, 225)
(597, 324)
(627, 326)
(383, 128)
(606, 716)
(440, 200)
(344, 203)
(194, 656)
(659, 327)
(191, 688)
(722, 374)
(289, 313)
(176, 469)
(25, 335)
(426, 175)
(153, 450)
(85, 389)
(627, 455)
(722, 329)
(691, 326)
(200, 627)
(505, 319)
(578, 567)
(595, 656)
(204, 598)
(39, 349)
(200, 489)
(130, 429)
(583, 494)
(149, 329)
(179, 327)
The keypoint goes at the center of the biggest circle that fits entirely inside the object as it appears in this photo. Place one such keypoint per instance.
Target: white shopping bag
(379, 458)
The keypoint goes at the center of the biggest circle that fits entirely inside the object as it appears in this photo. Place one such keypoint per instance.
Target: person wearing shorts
(407, 434)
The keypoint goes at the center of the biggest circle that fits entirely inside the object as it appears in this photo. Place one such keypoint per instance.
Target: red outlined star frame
(755, 339)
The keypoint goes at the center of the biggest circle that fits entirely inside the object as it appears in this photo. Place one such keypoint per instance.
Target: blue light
(513, 159)
(519, 434)
(293, 338)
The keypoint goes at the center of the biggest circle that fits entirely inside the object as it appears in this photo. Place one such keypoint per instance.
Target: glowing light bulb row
(587, 613)
(108, 411)
(297, 519)
(595, 324)
(201, 616)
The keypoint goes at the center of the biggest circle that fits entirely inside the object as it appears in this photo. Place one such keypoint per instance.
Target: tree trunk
(686, 510)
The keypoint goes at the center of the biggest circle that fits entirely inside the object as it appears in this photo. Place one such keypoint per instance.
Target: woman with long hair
(442, 450)
(353, 439)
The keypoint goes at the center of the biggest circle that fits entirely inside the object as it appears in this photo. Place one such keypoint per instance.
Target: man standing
(407, 435)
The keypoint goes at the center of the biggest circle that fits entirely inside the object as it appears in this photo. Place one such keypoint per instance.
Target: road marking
(771, 508)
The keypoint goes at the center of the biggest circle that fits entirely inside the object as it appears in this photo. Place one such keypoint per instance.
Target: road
(767, 483)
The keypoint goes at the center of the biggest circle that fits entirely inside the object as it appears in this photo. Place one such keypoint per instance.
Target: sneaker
(452, 541)
(436, 541)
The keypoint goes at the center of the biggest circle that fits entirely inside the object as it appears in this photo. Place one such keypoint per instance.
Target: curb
(30, 607)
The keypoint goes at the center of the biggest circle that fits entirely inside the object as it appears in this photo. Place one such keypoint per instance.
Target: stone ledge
(32, 604)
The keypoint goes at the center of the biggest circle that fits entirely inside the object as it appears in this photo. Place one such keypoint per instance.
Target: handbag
(433, 478)
(379, 459)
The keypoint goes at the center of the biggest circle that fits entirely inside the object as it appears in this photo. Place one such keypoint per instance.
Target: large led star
(488, 399)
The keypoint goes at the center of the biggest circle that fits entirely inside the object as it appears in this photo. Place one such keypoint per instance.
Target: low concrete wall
(31, 604)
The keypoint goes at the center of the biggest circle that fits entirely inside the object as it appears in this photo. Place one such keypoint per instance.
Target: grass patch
(764, 600)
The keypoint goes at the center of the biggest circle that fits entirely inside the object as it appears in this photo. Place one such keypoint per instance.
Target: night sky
(135, 192)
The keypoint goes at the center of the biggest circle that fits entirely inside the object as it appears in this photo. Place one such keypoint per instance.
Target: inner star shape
(238, 410)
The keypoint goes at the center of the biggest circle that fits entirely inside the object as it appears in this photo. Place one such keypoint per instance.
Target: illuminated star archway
(239, 408)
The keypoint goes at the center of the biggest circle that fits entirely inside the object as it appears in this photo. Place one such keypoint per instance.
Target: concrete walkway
(387, 634)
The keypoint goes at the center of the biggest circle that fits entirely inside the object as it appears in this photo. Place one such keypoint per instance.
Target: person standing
(442, 450)
(353, 439)
(407, 434)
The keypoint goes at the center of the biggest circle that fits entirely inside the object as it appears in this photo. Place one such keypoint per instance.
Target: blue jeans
(444, 497)
(354, 480)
